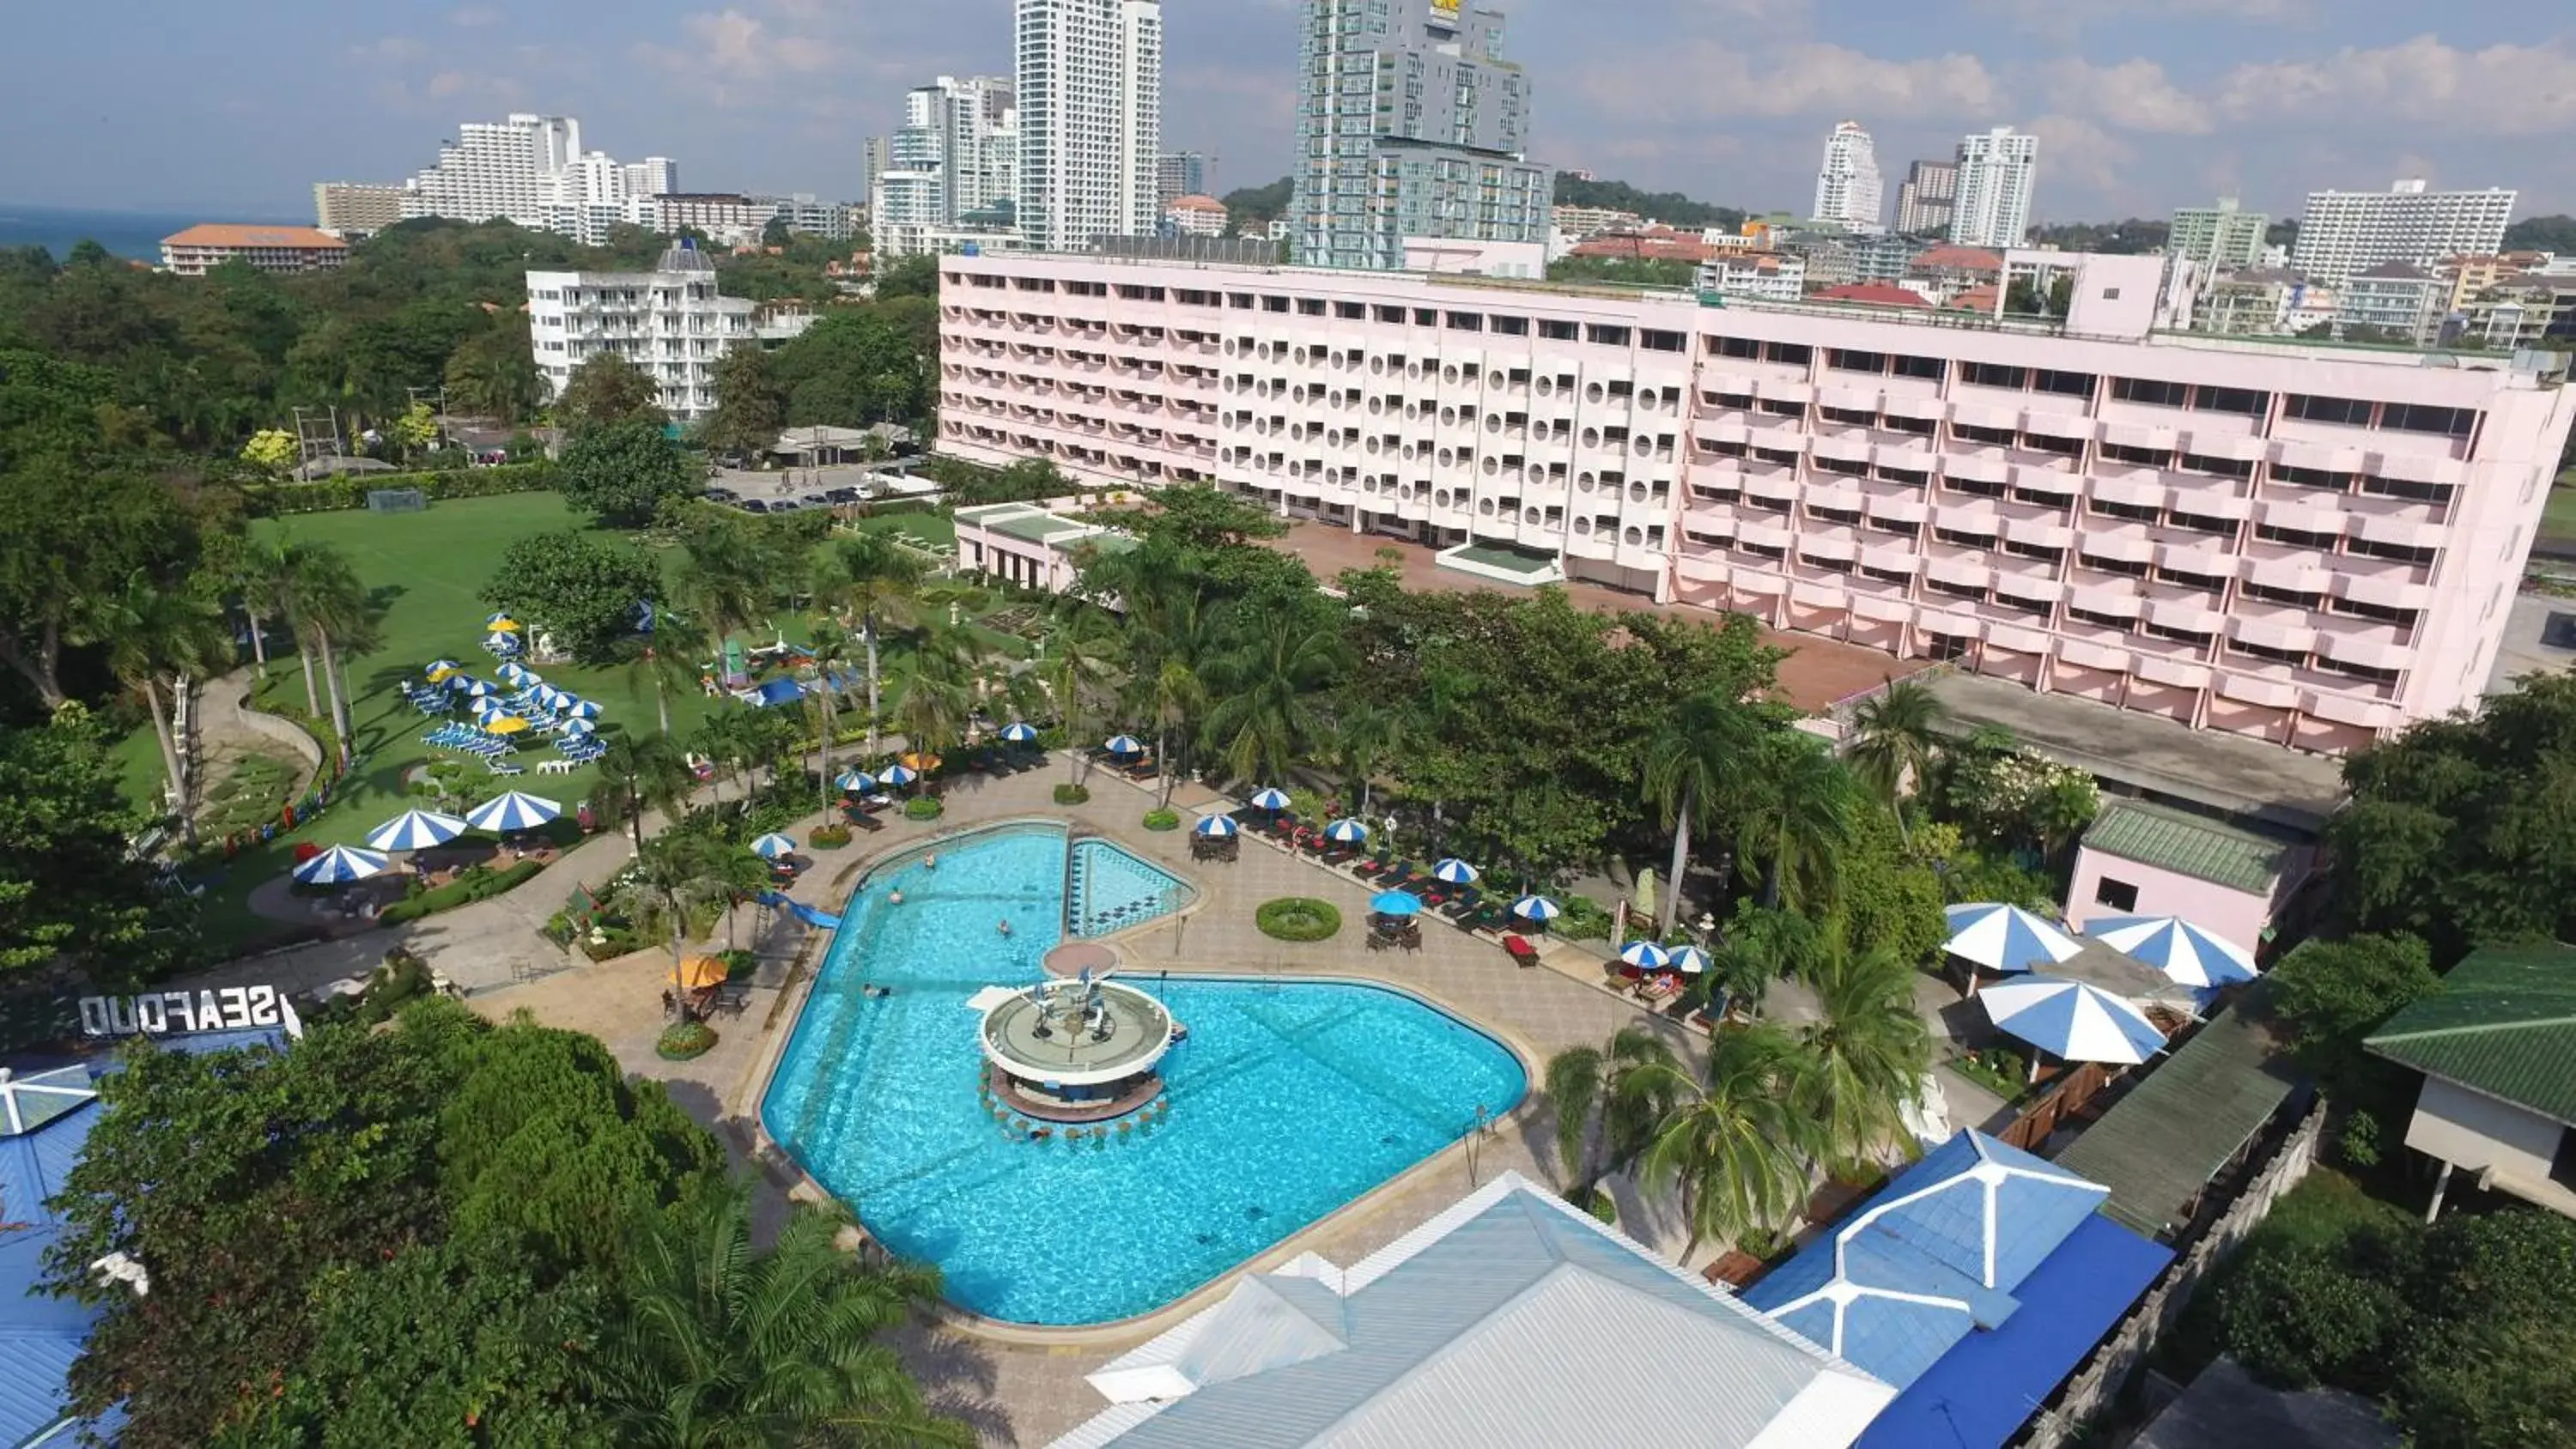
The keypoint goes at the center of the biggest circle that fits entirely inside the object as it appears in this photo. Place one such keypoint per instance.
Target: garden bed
(1298, 918)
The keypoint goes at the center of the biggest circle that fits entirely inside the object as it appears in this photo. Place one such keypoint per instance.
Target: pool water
(1288, 1100)
(1113, 891)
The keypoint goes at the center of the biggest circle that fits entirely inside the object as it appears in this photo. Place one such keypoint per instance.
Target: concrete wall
(2229, 914)
(2478, 1133)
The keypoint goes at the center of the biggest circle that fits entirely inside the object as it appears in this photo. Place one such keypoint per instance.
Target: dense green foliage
(854, 368)
(577, 586)
(2463, 1330)
(622, 471)
(2460, 830)
(1623, 271)
(1298, 918)
(1250, 208)
(1670, 207)
(440, 1233)
(69, 887)
(2542, 234)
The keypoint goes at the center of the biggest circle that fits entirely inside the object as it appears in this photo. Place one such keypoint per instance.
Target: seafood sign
(169, 1013)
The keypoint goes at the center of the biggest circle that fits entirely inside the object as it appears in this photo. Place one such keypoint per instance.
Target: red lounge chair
(1520, 950)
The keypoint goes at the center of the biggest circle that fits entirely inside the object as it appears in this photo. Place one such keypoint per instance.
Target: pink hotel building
(2306, 544)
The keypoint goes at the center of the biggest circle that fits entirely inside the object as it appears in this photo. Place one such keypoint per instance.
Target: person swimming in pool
(930, 862)
(1003, 926)
(894, 898)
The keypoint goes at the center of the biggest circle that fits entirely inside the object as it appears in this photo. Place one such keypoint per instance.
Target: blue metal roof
(1987, 1386)
(1941, 1253)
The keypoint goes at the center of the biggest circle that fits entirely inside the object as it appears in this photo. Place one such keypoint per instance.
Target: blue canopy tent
(775, 692)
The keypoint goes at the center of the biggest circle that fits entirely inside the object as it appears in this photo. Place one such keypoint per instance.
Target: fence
(2107, 1370)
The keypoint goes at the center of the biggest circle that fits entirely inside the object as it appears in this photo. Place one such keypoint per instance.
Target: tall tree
(331, 607)
(1077, 660)
(621, 471)
(675, 874)
(871, 581)
(157, 640)
(667, 656)
(70, 535)
(1797, 818)
(607, 391)
(833, 650)
(1703, 747)
(71, 886)
(1866, 1053)
(641, 773)
(585, 591)
(1598, 1128)
(1267, 685)
(719, 1345)
(1366, 733)
(1727, 1139)
(751, 406)
(1894, 734)
(937, 679)
(494, 375)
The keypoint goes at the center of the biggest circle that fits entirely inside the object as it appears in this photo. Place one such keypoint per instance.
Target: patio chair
(1518, 947)
(498, 768)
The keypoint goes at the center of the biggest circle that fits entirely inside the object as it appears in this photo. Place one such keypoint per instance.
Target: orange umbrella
(700, 972)
(924, 763)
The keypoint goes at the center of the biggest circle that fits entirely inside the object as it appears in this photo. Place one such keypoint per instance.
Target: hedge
(350, 490)
(1298, 918)
(1072, 794)
(1162, 820)
(682, 1040)
(922, 807)
(464, 890)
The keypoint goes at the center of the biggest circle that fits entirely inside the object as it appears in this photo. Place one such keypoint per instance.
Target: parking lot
(787, 490)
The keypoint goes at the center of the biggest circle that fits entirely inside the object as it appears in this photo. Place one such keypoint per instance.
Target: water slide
(819, 920)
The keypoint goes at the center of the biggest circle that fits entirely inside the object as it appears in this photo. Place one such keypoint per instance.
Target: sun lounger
(1519, 948)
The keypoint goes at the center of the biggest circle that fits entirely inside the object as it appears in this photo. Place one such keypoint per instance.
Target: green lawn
(2558, 518)
(426, 569)
(928, 527)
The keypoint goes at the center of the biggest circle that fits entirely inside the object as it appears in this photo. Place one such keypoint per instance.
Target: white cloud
(2502, 90)
(474, 17)
(390, 50)
(730, 58)
(2134, 95)
(1713, 79)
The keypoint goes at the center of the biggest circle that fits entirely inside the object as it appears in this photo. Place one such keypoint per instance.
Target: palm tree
(1760, 946)
(325, 599)
(1865, 1054)
(640, 773)
(1728, 1140)
(258, 576)
(832, 650)
(157, 638)
(725, 742)
(1692, 765)
(1893, 738)
(1798, 819)
(673, 875)
(871, 579)
(722, 1346)
(1076, 662)
(1597, 1129)
(725, 580)
(1365, 734)
(938, 690)
(667, 658)
(1177, 695)
(1266, 685)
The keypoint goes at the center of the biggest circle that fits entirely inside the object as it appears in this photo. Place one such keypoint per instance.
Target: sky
(2140, 105)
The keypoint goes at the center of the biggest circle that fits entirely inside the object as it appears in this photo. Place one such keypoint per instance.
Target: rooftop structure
(1973, 1283)
(208, 245)
(2160, 1147)
(1023, 544)
(2497, 1047)
(2142, 859)
(2227, 1408)
(1512, 1320)
(1410, 124)
(2303, 544)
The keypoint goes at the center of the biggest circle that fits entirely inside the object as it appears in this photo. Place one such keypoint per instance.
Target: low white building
(2498, 1101)
(671, 322)
(1772, 276)
(1196, 216)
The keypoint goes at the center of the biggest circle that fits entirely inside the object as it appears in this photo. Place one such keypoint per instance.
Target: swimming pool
(1113, 891)
(1289, 1099)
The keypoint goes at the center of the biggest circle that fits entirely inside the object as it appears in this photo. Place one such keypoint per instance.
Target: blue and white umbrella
(1217, 827)
(416, 830)
(1272, 799)
(1454, 871)
(1346, 832)
(773, 846)
(2186, 954)
(468, 685)
(438, 666)
(1124, 745)
(1645, 956)
(1396, 903)
(489, 710)
(1537, 908)
(576, 728)
(577, 708)
(900, 775)
(513, 672)
(1690, 960)
(2007, 939)
(549, 697)
(504, 645)
(2072, 1020)
(1019, 733)
(856, 782)
(512, 811)
(339, 865)
(500, 623)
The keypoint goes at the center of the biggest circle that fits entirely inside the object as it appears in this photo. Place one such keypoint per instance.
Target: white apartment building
(2344, 233)
(2305, 544)
(1997, 171)
(670, 322)
(1089, 85)
(1848, 191)
(208, 245)
(952, 166)
(1195, 216)
(1766, 276)
(735, 219)
(1580, 222)
(531, 170)
(350, 210)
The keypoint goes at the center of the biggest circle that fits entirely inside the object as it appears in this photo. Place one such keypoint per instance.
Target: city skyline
(2267, 102)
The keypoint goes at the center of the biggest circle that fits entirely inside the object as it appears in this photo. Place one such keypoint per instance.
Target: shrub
(1072, 794)
(1584, 920)
(682, 1040)
(829, 837)
(1162, 820)
(739, 964)
(923, 807)
(350, 491)
(1603, 1207)
(1298, 918)
(475, 884)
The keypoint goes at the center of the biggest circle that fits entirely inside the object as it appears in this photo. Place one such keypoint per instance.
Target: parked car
(842, 495)
(754, 505)
(721, 495)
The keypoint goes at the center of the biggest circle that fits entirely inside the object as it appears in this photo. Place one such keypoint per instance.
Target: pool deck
(1026, 1387)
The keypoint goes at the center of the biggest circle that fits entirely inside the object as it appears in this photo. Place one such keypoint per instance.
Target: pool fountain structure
(1074, 1050)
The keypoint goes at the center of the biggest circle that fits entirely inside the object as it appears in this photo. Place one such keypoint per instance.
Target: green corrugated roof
(1032, 527)
(2504, 1023)
(2161, 1144)
(2176, 841)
